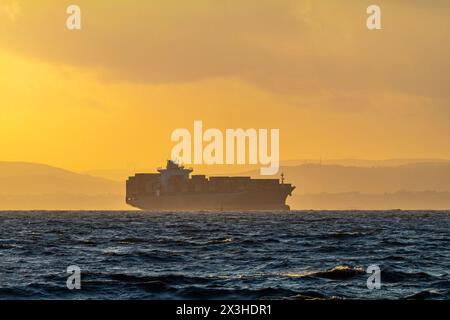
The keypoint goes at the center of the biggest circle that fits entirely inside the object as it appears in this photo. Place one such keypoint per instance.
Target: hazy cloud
(285, 46)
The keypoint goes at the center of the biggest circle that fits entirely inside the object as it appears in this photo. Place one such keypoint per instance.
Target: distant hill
(37, 186)
(409, 186)
(362, 162)
(426, 185)
(315, 178)
(424, 200)
(122, 174)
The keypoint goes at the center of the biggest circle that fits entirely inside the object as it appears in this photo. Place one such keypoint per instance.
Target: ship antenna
(282, 178)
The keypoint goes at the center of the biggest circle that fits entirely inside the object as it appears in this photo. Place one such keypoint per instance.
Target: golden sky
(109, 96)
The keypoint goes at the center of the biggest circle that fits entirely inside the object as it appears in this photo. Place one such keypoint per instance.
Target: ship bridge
(173, 171)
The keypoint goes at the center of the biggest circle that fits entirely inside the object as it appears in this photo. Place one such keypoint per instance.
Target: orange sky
(109, 96)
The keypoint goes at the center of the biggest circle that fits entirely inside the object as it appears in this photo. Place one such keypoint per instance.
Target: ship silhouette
(174, 189)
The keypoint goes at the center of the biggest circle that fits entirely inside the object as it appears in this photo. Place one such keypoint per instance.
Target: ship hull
(236, 201)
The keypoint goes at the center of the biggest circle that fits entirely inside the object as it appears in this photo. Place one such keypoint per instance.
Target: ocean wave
(259, 241)
(153, 255)
(394, 258)
(312, 295)
(396, 276)
(18, 293)
(87, 242)
(5, 246)
(427, 295)
(339, 272)
(341, 235)
(129, 240)
(219, 241)
(198, 292)
(169, 279)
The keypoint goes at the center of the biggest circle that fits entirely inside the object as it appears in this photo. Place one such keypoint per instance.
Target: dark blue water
(297, 255)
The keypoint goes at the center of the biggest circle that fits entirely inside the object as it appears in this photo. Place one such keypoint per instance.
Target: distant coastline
(423, 185)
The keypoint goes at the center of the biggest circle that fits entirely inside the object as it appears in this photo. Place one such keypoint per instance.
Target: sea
(225, 255)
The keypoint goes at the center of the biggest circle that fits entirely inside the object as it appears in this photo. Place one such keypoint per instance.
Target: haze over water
(298, 255)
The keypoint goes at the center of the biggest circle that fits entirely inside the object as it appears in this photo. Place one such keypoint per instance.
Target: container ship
(173, 188)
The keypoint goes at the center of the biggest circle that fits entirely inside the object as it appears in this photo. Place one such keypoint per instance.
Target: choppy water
(137, 255)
